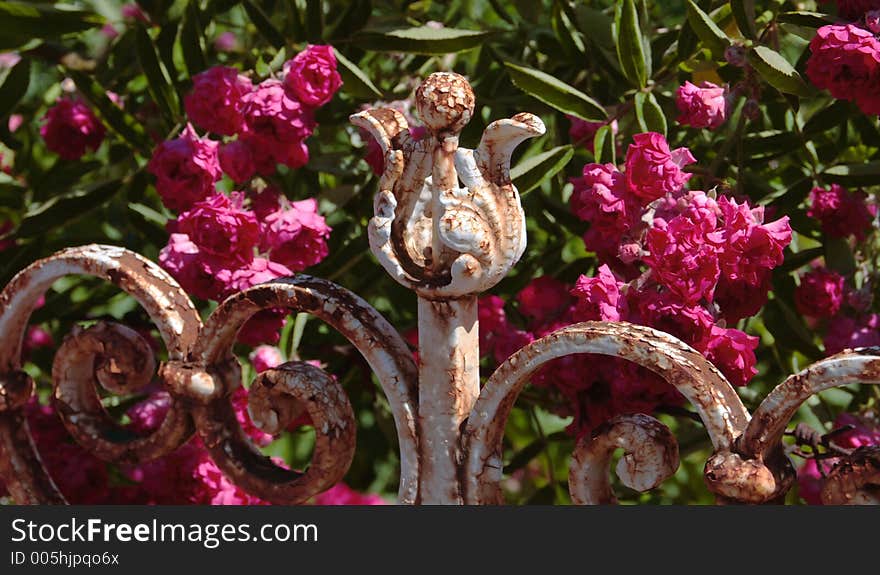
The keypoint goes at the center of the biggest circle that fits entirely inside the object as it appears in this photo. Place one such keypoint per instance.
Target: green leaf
(649, 114)
(604, 147)
(192, 41)
(20, 23)
(744, 14)
(555, 93)
(115, 118)
(532, 172)
(630, 50)
(777, 71)
(422, 40)
(866, 174)
(830, 117)
(14, 86)
(61, 209)
(314, 20)
(788, 328)
(263, 24)
(839, 256)
(354, 81)
(806, 19)
(158, 81)
(707, 31)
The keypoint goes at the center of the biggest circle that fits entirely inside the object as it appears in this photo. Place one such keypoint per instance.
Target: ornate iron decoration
(448, 224)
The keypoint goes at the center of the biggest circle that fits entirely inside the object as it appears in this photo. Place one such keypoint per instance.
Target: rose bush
(709, 169)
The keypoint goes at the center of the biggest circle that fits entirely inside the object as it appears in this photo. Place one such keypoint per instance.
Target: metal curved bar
(123, 363)
(694, 376)
(855, 480)
(650, 457)
(768, 424)
(156, 291)
(376, 339)
(277, 392)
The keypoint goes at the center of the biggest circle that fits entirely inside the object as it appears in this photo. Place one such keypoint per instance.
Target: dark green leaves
(649, 114)
(604, 148)
(854, 174)
(777, 71)
(744, 14)
(707, 31)
(555, 93)
(263, 24)
(354, 81)
(630, 46)
(806, 19)
(158, 81)
(21, 23)
(63, 208)
(119, 121)
(533, 171)
(192, 40)
(422, 40)
(14, 86)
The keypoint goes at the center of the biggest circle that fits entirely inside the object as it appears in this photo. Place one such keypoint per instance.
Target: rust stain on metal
(854, 480)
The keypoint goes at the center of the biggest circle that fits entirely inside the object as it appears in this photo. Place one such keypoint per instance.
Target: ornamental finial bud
(448, 220)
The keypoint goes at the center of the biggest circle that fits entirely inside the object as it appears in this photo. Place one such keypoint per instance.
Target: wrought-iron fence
(448, 224)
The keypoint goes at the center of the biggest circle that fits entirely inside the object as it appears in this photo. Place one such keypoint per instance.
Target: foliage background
(799, 138)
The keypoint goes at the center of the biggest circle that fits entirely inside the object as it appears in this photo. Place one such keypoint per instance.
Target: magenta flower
(216, 101)
(311, 75)
(652, 169)
(237, 161)
(195, 271)
(266, 357)
(296, 236)
(544, 299)
(276, 126)
(820, 293)
(600, 197)
(733, 352)
(845, 60)
(599, 298)
(703, 106)
(221, 229)
(70, 128)
(186, 169)
(841, 213)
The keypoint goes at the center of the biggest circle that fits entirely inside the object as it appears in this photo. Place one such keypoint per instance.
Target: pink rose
(276, 126)
(845, 332)
(240, 405)
(703, 106)
(237, 162)
(194, 271)
(265, 202)
(221, 229)
(217, 100)
(544, 299)
(841, 213)
(311, 75)
(493, 321)
(186, 169)
(263, 328)
(845, 60)
(741, 298)
(599, 297)
(681, 258)
(296, 236)
(820, 293)
(257, 271)
(666, 312)
(148, 415)
(733, 352)
(748, 247)
(600, 197)
(266, 357)
(70, 128)
(652, 169)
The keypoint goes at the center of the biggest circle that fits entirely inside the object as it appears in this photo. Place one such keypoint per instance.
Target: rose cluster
(828, 298)
(845, 57)
(70, 128)
(219, 243)
(684, 262)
